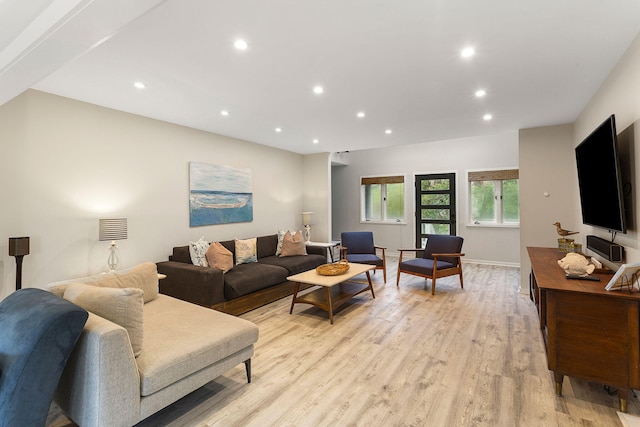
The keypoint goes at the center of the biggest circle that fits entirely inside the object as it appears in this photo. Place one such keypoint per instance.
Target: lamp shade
(18, 246)
(113, 229)
(308, 218)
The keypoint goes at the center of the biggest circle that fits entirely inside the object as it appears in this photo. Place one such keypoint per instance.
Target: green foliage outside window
(384, 201)
(395, 201)
(482, 201)
(510, 201)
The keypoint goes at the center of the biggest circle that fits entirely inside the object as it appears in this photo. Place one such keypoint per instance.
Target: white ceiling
(397, 60)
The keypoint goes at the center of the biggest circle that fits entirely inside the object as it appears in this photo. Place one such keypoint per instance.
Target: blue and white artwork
(219, 194)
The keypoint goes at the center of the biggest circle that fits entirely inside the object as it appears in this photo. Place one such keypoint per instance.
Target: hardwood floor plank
(463, 357)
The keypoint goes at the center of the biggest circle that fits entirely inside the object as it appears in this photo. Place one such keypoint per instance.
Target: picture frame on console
(626, 278)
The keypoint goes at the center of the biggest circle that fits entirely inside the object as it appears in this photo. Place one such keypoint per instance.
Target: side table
(328, 246)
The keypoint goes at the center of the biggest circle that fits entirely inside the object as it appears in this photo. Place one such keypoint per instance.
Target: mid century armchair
(358, 247)
(441, 257)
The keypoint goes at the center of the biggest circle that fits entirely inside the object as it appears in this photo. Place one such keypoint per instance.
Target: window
(382, 199)
(494, 197)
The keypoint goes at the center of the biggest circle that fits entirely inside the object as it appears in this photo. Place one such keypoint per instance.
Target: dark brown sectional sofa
(245, 286)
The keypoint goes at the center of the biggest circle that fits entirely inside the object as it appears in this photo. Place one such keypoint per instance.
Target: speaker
(602, 247)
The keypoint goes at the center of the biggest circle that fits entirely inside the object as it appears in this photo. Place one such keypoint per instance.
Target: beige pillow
(143, 276)
(293, 245)
(219, 257)
(246, 251)
(124, 307)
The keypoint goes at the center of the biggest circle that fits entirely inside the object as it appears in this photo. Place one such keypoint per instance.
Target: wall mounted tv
(601, 198)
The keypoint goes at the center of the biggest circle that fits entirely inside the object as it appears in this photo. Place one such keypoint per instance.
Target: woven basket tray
(334, 269)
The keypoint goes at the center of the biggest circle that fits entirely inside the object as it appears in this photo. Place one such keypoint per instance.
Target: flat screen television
(601, 197)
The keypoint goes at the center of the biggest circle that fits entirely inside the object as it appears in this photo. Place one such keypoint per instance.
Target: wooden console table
(589, 333)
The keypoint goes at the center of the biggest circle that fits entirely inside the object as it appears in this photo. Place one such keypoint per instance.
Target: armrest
(450, 255)
(100, 382)
(198, 285)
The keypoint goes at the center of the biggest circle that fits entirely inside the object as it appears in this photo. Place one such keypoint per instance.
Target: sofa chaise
(140, 350)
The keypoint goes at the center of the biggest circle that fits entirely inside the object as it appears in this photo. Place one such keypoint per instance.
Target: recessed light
(480, 93)
(278, 129)
(139, 85)
(388, 131)
(467, 52)
(487, 117)
(318, 89)
(361, 114)
(315, 141)
(240, 44)
(224, 113)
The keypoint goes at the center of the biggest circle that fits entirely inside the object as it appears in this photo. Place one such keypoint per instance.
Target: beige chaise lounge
(119, 375)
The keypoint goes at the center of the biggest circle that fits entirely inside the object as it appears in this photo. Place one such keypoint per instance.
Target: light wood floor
(464, 357)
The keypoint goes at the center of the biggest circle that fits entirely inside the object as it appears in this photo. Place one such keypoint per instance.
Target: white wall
(547, 189)
(317, 187)
(496, 245)
(619, 95)
(64, 164)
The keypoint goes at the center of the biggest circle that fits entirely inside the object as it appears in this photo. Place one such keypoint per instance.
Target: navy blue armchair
(441, 257)
(358, 247)
(38, 331)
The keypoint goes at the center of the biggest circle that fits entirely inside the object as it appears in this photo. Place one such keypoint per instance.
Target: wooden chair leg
(461, 282)
(433, 285)
(398, 279)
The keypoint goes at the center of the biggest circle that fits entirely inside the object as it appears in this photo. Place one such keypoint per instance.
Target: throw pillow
(143, 276)
(246, 251)
(281, 234)
(198, 251)
(219, 257)
(293, 244)
(124, 307)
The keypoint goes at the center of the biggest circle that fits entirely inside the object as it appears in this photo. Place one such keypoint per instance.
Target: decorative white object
(112, 229)
(308, 219)
(576, 264)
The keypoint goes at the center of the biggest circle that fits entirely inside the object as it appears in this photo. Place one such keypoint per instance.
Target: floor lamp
(18, 247)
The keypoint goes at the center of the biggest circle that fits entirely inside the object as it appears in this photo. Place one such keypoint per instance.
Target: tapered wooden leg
(433, 285)
(247, 366)
(461, 283)
(623, 395)
(398, 278)
(558, 379)
(329, 304)
(370, 284)
(296, 288)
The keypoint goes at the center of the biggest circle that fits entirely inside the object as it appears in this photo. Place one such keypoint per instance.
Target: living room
(67, 163)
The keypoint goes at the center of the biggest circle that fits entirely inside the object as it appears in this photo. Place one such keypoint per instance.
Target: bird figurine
(562, 232)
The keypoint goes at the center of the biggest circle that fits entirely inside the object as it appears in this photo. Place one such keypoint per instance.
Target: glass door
(435, 206)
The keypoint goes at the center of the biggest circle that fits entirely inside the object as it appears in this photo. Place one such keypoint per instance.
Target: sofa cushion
(295, 264)
(246, 278)
(219, 257)
(181, 254)
(197, 251)
(293, 244)
(246, 251)
(267, 245)
(143, 276)
(124, 307)
(199, 337)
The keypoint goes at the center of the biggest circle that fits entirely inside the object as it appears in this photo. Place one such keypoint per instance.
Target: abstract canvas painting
(219, 194)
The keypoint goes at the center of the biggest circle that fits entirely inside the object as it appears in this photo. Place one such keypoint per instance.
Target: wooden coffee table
(333, 291)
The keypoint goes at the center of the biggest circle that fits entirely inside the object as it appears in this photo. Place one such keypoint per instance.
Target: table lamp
(308, 219)
(112, 229)
(18, 247)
